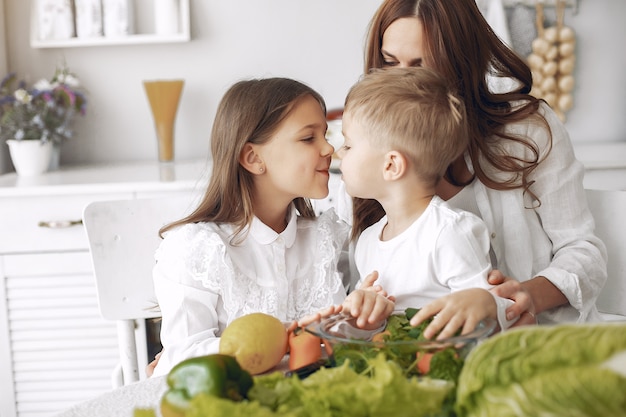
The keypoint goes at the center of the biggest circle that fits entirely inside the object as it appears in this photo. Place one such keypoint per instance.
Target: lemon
(258, 341)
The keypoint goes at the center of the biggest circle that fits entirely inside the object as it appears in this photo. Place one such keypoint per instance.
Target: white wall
(319, 42)
(4, 150)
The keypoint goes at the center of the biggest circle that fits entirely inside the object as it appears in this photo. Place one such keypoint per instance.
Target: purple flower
(45, 111)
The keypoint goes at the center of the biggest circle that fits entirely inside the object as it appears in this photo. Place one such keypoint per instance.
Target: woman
(519, 172)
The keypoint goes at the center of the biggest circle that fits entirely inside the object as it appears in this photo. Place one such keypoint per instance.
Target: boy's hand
(369, 308)
(368, 284)
(459, 310)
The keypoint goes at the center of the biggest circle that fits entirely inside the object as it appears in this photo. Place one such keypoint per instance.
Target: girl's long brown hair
(250, 111)
(461, 46)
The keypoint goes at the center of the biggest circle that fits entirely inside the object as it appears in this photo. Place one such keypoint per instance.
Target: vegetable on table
(565, 370)
(215, 375)
(336, 391)
(444, 363)
(304, 348)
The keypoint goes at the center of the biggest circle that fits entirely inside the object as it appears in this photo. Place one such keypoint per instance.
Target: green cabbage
(546, 371)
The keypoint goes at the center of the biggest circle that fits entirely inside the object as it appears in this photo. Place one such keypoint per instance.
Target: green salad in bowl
(401, 343)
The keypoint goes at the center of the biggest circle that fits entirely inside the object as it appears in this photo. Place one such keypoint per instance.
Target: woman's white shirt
(203, 282)
(555, 238)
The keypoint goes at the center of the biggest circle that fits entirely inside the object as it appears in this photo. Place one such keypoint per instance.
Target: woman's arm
(575, 271)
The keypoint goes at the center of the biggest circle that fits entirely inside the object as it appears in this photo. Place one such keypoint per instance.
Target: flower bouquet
(44, 112)
(34, 119)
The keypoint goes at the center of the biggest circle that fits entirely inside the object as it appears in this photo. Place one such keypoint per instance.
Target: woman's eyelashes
(416, 63)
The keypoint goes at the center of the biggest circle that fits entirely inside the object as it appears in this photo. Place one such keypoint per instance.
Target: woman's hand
(510, 288)
(458, 310)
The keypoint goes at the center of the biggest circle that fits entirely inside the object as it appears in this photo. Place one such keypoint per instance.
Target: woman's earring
(261, 169)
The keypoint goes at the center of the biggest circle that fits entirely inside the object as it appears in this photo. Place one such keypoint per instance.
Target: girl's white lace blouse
(203, 281)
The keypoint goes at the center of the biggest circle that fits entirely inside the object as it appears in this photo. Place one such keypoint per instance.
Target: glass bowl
(415, 355)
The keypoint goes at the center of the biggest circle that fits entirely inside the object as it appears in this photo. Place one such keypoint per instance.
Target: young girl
(407, 126)
(254, 243)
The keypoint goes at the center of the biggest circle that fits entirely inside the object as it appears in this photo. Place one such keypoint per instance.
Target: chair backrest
(123, 236)
(609, 212)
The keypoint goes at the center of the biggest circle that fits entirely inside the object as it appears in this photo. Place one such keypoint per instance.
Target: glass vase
(164, 96)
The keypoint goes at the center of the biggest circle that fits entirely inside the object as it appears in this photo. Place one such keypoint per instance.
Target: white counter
(146, 176)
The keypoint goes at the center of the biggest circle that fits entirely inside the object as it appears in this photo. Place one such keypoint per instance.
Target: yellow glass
(164, 96)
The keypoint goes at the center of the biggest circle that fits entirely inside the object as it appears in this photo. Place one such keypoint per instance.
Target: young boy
(402, 128)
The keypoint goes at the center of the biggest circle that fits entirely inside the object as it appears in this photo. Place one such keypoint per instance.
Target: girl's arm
(189, 323)
(189, 308)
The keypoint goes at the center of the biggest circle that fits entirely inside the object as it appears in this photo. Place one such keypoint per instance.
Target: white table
(143, 394)
(122, 401)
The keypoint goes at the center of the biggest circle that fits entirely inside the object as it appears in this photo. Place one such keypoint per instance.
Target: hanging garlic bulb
(552, 62)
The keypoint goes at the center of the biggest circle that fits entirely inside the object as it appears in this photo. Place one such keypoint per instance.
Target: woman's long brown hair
(250, 111)
(461, 46)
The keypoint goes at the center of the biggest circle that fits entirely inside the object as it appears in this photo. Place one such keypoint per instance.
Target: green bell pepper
(218, 375)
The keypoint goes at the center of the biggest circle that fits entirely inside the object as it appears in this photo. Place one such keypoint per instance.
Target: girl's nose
(328, 149)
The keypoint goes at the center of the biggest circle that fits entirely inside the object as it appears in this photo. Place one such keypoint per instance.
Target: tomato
(423, 362)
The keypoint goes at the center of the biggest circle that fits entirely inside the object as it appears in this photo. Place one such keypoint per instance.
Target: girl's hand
(369, 308)
(458, 310)
(306, 320)
(152, 365)
(512, 289)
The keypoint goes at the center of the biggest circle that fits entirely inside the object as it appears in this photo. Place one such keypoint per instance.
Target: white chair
(609, 212)
(123, 236)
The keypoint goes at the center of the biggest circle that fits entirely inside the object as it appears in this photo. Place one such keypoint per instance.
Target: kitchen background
(319, 42)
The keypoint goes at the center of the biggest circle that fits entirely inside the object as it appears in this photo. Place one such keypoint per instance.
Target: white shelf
(133, 39)
(573, 4)
(136, 39)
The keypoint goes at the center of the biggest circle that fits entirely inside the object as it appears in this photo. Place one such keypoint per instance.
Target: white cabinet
(55, 348)
(145, 28)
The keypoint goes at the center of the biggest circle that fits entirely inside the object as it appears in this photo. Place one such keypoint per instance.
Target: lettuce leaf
(337, 392)
(545, 370)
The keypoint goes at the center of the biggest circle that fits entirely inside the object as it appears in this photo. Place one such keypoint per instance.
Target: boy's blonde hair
(413, 111)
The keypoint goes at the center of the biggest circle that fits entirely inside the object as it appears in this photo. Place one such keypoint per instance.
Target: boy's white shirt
(444, 250)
